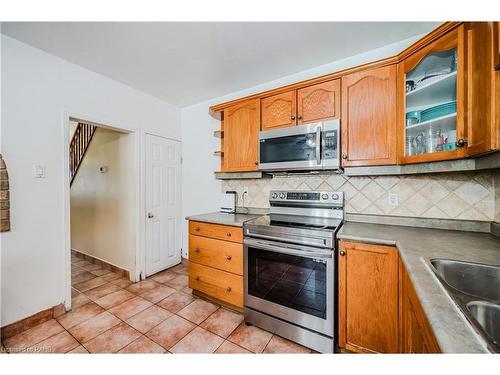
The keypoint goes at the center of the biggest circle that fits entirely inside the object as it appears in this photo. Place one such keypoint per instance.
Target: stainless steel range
(290, 267)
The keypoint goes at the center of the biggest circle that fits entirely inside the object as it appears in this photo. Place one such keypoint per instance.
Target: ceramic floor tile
(176, 301)
(187, 290)
(61, 343)
(81, 277)
(82, 262)
(149, 318)
(143, 286)
(92, 267)
(75, 292)
(93, 327)
(171, 331)
(114, 299)
(113, 340)
(179, 282)
(33, 335)
(143, 345)
(198, 341)
(157, 294)
(164, 276)
(111, 276)
(250, 337)
(122, 282)
(222, 322)
(180, 268)
(228, 347)
(76, 271)
(130, 308)
(198, 311)
(79, 350)
(279, 345)
(101, 291)
(79, 300)
(100, 272)
(79, 314)
(90, 284)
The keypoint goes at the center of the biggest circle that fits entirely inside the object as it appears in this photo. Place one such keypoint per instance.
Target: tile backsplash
(464, 195)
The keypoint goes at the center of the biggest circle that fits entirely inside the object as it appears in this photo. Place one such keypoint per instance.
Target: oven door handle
(318, 145)
(272, 238)
(305, 252)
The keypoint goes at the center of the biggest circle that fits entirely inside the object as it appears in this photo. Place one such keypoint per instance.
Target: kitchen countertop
(234, 220)
(416, 246)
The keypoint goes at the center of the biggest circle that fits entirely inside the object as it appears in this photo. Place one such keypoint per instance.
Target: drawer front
(223, 255)
(221, 232)
(222, 285)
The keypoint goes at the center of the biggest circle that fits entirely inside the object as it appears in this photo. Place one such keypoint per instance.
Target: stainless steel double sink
(476, 290)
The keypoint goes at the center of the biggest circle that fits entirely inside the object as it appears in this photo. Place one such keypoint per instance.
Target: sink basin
(478, 280)
(488, 317)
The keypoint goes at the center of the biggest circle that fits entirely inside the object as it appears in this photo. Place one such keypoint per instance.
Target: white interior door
(163, 248)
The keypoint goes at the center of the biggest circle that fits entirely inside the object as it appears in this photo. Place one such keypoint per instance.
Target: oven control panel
(307, 196)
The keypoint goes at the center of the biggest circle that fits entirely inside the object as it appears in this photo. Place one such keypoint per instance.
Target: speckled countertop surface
(235, 220)
(416, 246)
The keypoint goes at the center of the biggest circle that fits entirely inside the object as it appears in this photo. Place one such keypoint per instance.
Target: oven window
(288, 280)
(300, 147)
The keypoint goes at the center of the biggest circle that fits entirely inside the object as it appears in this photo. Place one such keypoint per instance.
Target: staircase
(78, 147)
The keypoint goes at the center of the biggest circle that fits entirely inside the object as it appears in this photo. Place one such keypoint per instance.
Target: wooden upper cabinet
(368, 298)
(496, 45)
(318, 102)
(369, 117)
(241, 137)
(279, 110)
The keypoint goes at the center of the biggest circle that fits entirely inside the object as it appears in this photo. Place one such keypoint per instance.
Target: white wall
(201, 191)
(102, 203)
(37, 90)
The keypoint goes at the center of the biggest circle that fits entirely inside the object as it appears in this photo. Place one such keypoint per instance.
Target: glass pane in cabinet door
(431, 104)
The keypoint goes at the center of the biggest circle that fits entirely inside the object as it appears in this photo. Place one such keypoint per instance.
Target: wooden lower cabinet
(216, 262)
(379, 311)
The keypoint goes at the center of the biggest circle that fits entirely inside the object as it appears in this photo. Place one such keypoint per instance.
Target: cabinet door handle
(342, 252)
(228, 234)
(292, 117)
(256, 162)
(228, 288)
(299, 117)
(344, 155)
(461, 142)
(196, 250)
(197, 229)
(197, 278)
(228, 257)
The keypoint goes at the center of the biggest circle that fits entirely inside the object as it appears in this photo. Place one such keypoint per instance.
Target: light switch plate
(393, 199)
(39, 171)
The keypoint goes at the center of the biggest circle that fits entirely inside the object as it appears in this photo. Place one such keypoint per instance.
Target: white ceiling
(187, 63)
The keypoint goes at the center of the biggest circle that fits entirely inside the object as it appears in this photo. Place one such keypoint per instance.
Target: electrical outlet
(393, 199)
(39, 171)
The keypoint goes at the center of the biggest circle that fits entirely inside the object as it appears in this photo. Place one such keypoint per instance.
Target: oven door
(291, 282)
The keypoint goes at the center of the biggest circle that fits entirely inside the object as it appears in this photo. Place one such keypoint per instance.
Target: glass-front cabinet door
(432, 98)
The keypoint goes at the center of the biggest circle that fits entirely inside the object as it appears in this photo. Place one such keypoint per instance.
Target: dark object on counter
(4, 197)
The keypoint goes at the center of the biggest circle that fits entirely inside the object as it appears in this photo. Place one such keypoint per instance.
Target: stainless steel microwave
(303, 147)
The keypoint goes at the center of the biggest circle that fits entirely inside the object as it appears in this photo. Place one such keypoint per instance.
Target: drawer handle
(342, 252)
(228, 288)
(196, 250)
(197, 278)
(228, 234)
(197, 229)
(228, 257)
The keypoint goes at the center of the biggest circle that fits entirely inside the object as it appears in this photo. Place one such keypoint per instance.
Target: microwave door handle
(318, 145)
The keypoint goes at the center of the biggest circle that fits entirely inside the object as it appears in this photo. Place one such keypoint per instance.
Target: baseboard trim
(102, 263)
(31, 321)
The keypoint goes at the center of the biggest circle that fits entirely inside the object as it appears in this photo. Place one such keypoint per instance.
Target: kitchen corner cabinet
(241, 137)
(416, 335)
(368, 298)
(305, 105)
(445, 100)
(369, 117)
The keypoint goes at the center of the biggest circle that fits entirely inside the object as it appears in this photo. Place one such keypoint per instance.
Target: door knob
(228, 288)
(196, 250)
(461, 142)
(197, 229)
(292, 117)
(228, 234)
(299, 117)
(344, 155)
(228, 257)
(256, 162)
(342, 252)
(197, 278)
(150, 215)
